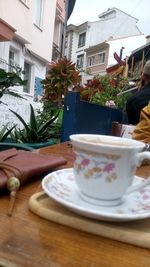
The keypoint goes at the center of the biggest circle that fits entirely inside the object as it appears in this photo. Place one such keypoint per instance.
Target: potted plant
(93, 108)
(7, 81)
(103, 90)
(62, 77)
(42, 130)
(37, 133)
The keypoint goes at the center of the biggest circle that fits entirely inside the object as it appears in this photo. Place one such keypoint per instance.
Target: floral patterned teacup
(105, 166)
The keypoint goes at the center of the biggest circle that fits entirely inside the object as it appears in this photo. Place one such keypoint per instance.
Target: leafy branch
(10, 79)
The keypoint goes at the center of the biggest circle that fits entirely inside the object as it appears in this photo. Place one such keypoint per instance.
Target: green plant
(35, 131)
(90, 89)
(47, 112)
(5, 132)
(10, 79)
(61, 76)
(103, 90)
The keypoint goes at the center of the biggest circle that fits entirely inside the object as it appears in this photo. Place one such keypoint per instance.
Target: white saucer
(61, 186)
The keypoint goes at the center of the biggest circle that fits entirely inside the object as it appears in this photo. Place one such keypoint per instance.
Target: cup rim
(132, 143)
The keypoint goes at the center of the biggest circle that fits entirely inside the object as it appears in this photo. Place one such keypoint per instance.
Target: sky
(88, 10)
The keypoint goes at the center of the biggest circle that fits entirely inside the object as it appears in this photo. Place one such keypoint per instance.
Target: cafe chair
(122, 130)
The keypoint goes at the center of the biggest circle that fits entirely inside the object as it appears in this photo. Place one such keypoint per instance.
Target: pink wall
(61, 9)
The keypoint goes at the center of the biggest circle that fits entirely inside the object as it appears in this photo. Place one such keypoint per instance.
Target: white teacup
(105, 166)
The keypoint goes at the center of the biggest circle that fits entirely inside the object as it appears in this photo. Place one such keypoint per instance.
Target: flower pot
(26, 146)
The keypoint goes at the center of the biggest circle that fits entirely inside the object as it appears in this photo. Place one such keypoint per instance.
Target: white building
(91, 45)
(31, 36)
(31, 45)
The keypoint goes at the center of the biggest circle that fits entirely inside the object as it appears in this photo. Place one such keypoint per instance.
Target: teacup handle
(140, 157)
(138, 160)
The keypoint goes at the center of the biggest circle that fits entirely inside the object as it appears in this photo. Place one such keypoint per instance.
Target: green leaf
(48, 123)
(5, 132)
(33, 122)
(21, 119)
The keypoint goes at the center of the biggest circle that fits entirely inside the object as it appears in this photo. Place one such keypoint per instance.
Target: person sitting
(140, 99)
(142, 129)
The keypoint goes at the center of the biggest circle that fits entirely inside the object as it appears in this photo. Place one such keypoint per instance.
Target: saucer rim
(88, 212)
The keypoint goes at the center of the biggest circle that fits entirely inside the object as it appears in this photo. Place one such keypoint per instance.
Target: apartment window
(81, 41)
(12, 60)
(91, 61)
(38, 12)
(101, 58)
(27, 76)
(80, 60)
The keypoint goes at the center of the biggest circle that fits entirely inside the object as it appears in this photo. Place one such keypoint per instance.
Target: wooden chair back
(122, 130)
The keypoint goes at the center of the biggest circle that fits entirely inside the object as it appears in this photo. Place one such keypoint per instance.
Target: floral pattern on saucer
(61, 187)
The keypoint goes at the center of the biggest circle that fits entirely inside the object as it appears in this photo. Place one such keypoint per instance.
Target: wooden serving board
(134, 232)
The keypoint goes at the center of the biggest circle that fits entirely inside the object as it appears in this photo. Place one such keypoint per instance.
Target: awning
(6, 31)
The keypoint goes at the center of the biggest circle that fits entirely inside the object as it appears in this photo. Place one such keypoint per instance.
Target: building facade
(28, 31)
(59, 30)
(64, 9)
(137, 60)
(92, 45)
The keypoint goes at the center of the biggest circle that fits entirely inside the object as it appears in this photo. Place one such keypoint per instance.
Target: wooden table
(28, 240)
